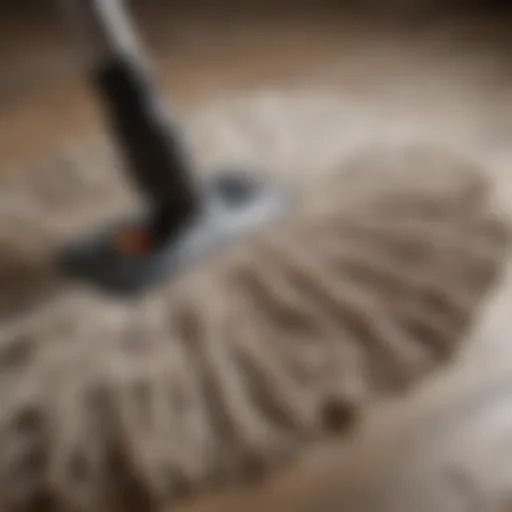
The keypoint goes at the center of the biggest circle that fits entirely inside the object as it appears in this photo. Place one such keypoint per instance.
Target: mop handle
(148, 141)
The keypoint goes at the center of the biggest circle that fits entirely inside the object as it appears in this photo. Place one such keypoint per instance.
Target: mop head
(446, 447)
(235, 367)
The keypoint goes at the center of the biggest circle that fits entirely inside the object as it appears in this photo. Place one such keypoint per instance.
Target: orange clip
(133, 241)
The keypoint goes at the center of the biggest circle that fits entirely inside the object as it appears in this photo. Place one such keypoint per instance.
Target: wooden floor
(44, 99)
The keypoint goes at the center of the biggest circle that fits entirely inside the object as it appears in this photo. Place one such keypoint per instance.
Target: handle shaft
(149, 141)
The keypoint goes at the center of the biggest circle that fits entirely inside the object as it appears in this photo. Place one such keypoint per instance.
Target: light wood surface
(44, 99)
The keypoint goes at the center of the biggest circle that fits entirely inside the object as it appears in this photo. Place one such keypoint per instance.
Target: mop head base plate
(235, 204)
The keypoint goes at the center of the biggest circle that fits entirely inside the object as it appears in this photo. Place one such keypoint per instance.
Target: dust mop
(175, 352)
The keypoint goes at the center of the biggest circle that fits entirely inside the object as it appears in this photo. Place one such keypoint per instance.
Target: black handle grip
(150, 144)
